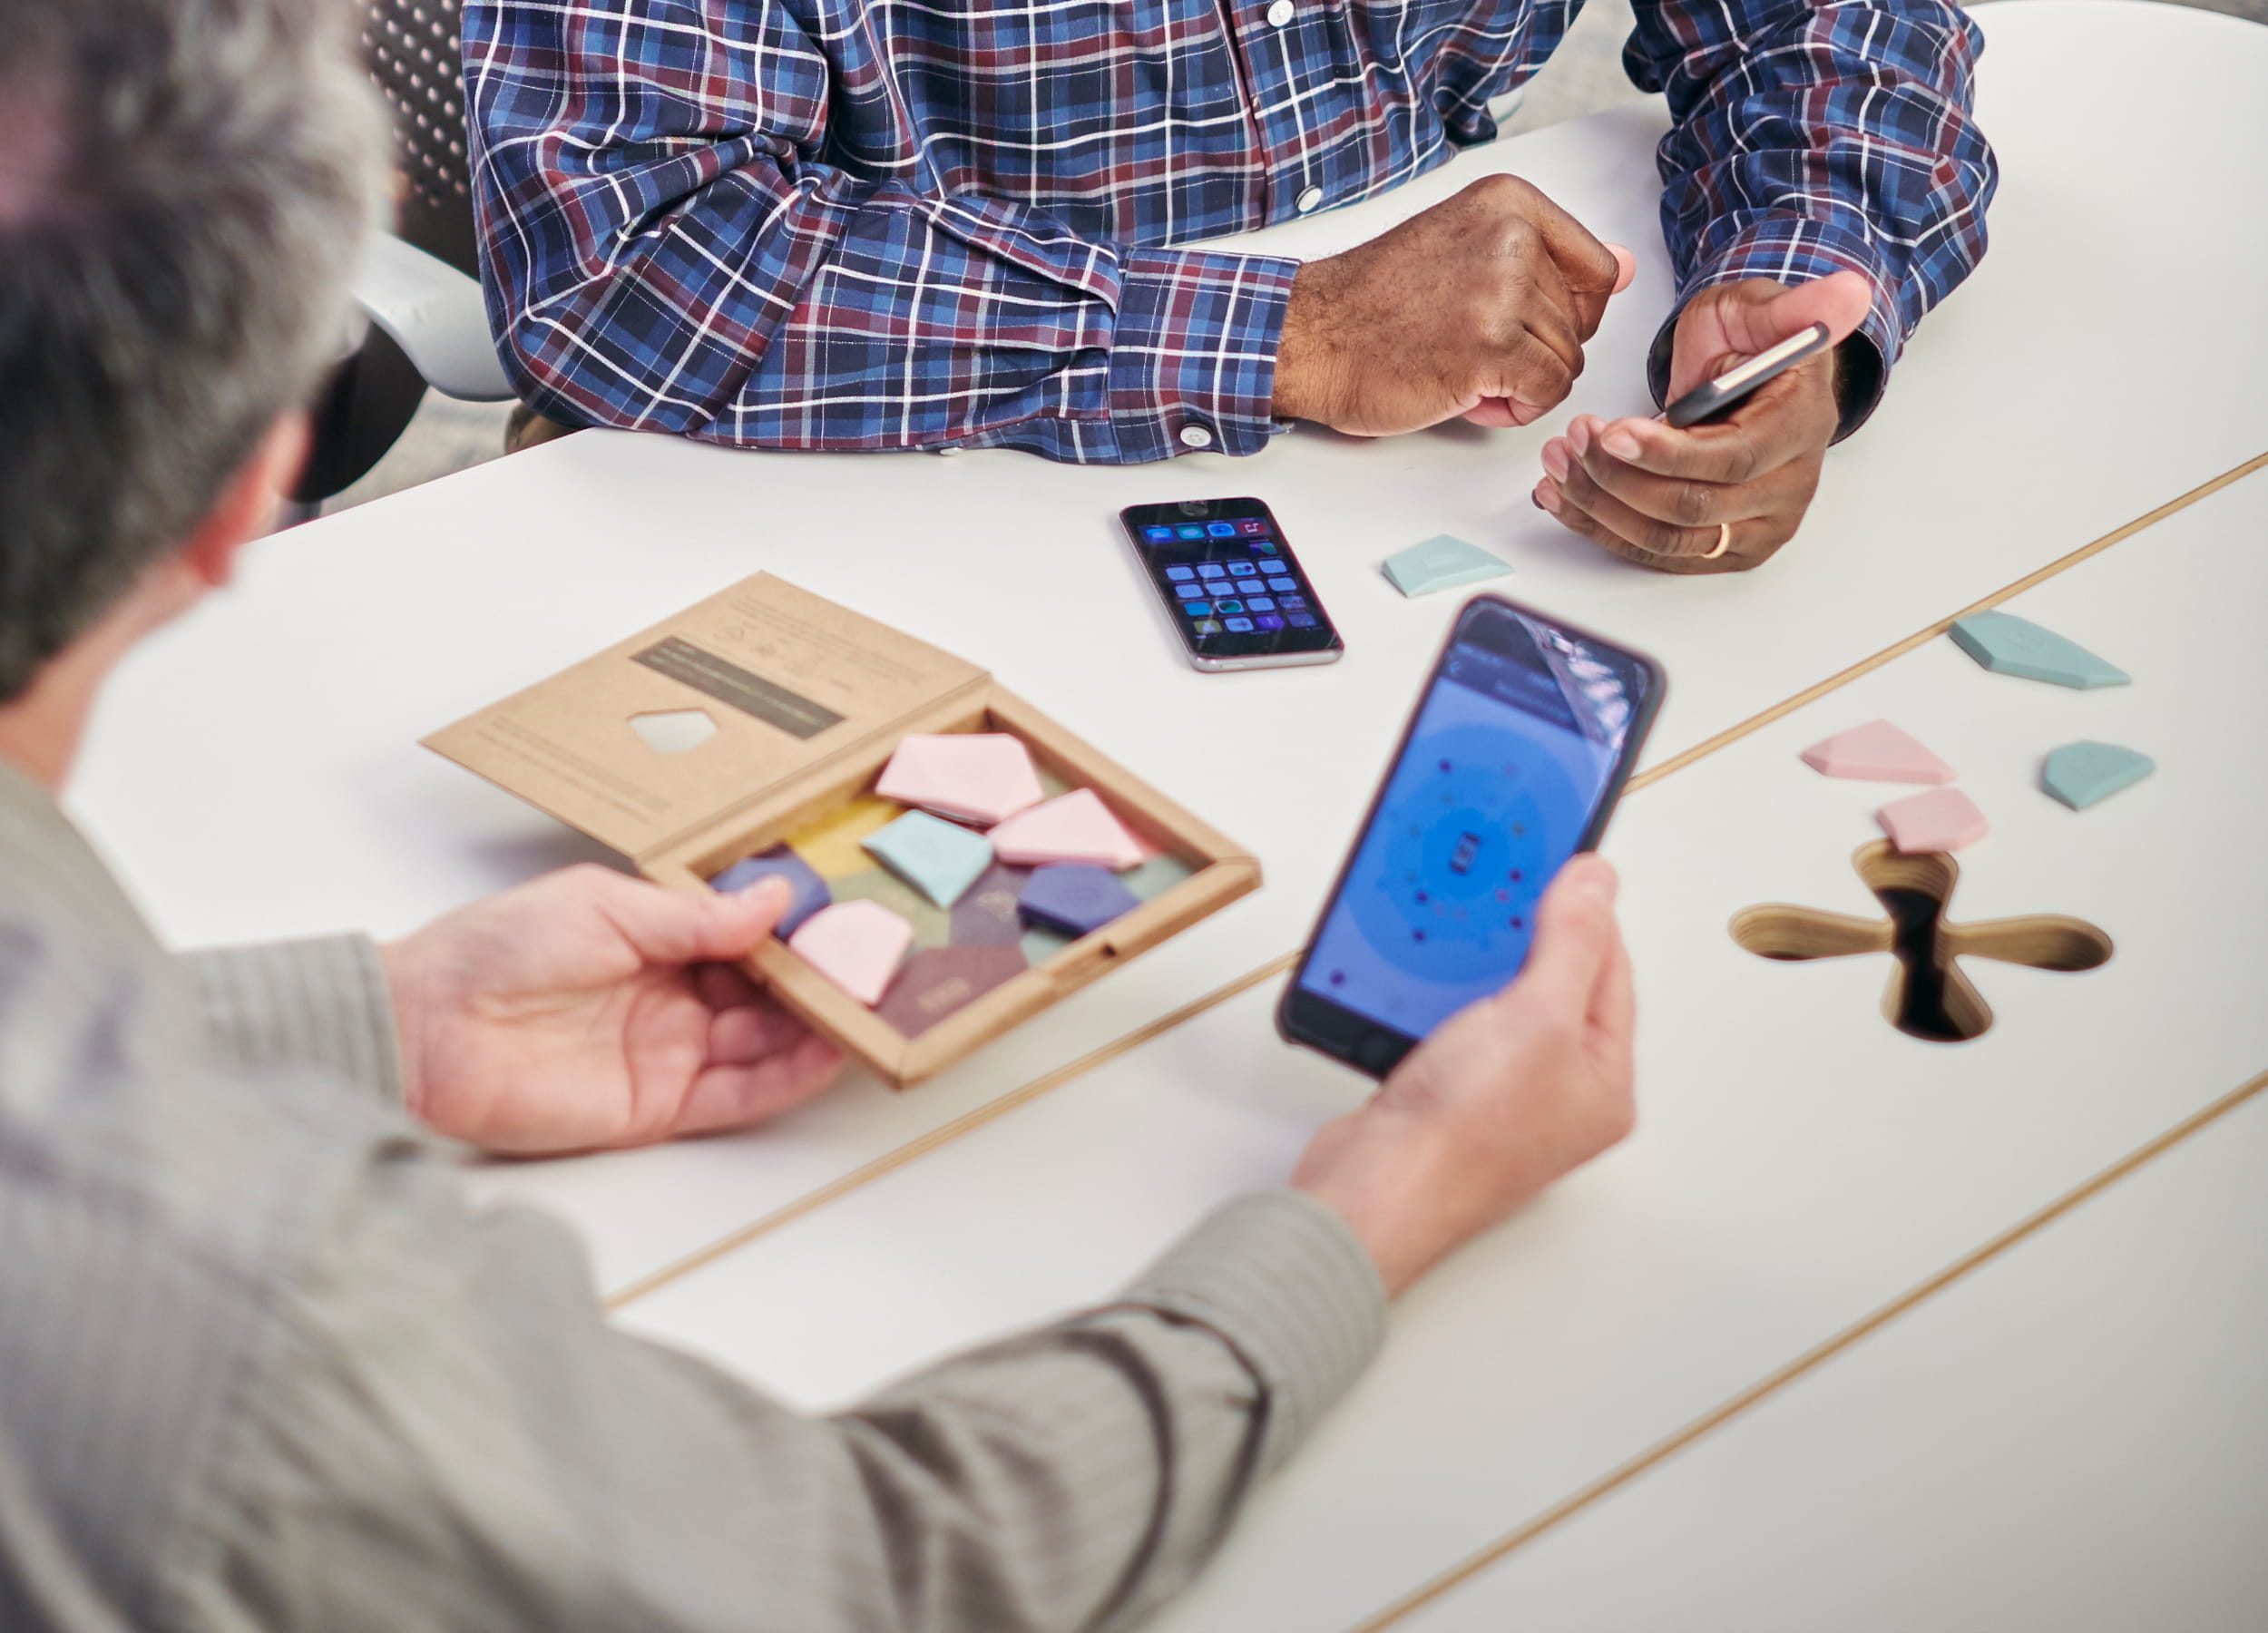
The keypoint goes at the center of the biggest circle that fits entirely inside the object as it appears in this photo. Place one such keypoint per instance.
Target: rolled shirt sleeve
(1811, 139)
(669, 246)
(1191, 364)
(445, 1434)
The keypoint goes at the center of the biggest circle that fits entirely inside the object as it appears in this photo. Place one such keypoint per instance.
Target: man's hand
(1655, 496)
(585, 1009)
(1478, 307)
(1505, 1096)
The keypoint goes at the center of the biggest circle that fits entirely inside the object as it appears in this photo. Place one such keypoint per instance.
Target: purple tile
(808, 891)
(986, 916)
(937, 982)
(1074, 898)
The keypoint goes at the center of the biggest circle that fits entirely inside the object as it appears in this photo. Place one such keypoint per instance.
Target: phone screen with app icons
(1234, 591)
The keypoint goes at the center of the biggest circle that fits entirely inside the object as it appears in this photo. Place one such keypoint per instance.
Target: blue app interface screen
(1504, 768)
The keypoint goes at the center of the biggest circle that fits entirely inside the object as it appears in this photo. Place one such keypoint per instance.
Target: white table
(302, 692)
(1799, 1164)
(2073, 1437)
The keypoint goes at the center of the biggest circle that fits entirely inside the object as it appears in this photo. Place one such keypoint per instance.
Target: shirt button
(1196, 437)
(1308, 199)
(1279, 14)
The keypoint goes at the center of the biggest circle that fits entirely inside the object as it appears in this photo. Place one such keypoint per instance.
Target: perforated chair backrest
(415, 55)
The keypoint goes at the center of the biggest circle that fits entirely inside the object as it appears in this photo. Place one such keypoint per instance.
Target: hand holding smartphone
(1235, 593)
(1514, 759)
(1712, 400)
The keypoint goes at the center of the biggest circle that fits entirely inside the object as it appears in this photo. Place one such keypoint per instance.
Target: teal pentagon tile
(2009, 645)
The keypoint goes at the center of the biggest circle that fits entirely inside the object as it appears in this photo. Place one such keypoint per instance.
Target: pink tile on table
(859, 946)
(1073, 827)
(983, 777)
(1877, 751)
(1943, 819)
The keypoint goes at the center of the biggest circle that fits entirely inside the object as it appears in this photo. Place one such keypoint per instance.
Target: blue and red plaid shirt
(867, 224)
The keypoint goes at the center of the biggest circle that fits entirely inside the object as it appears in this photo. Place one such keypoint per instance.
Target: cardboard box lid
(785, 679)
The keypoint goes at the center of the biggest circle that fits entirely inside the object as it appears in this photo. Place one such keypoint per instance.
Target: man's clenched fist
(1478, 306)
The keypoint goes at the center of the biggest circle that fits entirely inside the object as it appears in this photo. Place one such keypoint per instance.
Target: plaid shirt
(867, 224)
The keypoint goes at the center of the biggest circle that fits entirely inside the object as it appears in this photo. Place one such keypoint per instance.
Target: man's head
(183, 187)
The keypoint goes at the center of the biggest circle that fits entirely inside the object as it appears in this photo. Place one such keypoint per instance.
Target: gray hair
(184, 185)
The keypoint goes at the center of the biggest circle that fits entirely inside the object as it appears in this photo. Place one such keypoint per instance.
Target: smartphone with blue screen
(1511, 763)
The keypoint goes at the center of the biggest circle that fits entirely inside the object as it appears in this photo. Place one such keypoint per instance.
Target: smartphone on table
(1232, 588)
(1512, 762)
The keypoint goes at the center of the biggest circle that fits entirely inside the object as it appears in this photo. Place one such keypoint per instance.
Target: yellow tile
(831, 845)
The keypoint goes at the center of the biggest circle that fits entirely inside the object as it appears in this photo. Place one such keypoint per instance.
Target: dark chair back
(418, 62)
(412, 51)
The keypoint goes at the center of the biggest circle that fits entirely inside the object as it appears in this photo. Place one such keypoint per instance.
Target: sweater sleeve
(448, 1435)
(320, 1004)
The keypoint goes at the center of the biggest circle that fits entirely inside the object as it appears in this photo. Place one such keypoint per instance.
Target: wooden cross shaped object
(1929, 996)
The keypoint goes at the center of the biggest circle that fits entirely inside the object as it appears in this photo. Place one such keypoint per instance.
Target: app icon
(1258, 603)
(1283, 584)
(1292, 603)
(1197, 608)
(1239, 626)
(1211, 569)
(1270, 622)
(1232, 606)
(1242, 568)
(1191, 532)
(1221, 529)
(1179, 574)
(1268, 546)
(1252, 527)
(1157, 535)
(1303, 621)
(1206, 626)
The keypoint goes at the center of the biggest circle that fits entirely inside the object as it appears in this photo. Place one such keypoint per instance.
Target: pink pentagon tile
(857, 945)
(982, 777)
(1943, 819)
(1076, 827)
(1877, 751)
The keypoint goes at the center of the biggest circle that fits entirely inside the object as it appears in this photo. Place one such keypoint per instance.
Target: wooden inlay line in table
(969, 1121)
(1810, 1359)
(1867, 666)
(940, 1135)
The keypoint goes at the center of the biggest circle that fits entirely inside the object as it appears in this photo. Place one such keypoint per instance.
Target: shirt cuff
(1283, 1281)
(321, 1003)
(1193, 353)
(1794, 249)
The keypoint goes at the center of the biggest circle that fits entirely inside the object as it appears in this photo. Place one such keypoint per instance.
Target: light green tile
(939, 858)
(2079, 774)
(931, 927)
(1442, 562)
